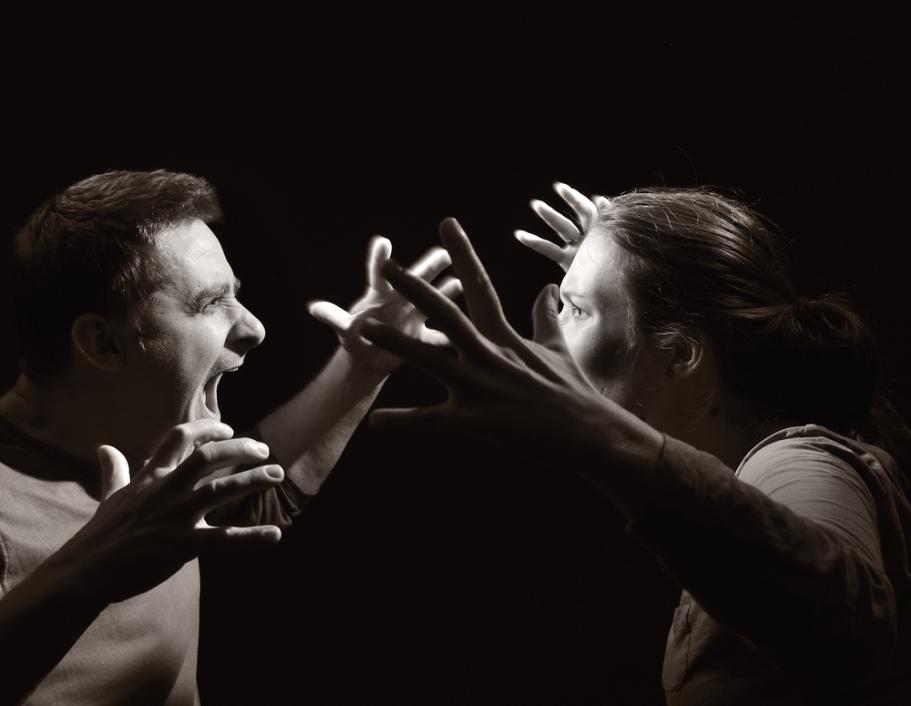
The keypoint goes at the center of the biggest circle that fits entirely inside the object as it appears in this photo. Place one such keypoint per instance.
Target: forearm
(308, 433)
(40, 620)
(785, 583)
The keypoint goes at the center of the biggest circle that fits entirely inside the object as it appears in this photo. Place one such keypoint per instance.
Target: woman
(721, 413)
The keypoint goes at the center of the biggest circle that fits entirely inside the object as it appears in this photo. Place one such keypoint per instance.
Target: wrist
(359, 373)
(622, 455)
(68, 580)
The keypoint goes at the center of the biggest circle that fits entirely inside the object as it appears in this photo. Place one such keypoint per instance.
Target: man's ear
(98, 342)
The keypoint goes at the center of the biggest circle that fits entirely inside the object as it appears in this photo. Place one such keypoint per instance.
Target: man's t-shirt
(141, 650)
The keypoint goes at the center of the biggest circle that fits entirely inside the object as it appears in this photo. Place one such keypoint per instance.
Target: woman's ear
(689, 355)
(695, 364)
(98, 342)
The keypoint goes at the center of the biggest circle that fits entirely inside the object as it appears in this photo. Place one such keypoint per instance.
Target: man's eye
(206, 306)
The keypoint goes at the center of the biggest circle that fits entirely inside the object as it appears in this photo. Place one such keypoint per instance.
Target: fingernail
(275, 472)
(262, 448)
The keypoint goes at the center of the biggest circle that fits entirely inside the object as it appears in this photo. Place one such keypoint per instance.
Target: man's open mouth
(210, 393)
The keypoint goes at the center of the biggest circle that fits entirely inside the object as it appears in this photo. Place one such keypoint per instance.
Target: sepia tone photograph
(518, 358)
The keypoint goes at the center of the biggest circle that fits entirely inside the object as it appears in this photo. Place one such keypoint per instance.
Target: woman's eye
(577, 312)
(571, 311)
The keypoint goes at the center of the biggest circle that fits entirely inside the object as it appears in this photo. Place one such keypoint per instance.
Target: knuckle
(182, 434)
(204, 455)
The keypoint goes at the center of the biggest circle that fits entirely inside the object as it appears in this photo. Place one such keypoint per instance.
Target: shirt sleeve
(815, 478)
(279, 505)
(789, 560)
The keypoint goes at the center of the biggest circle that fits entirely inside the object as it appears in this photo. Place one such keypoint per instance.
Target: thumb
(545, 317)
(115, 471)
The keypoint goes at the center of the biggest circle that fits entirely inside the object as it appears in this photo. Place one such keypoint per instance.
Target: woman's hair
(701, 262)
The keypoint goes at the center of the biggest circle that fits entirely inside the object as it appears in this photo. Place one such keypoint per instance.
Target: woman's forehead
(596, 271)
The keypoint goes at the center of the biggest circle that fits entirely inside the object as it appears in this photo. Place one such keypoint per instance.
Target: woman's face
(598, 323)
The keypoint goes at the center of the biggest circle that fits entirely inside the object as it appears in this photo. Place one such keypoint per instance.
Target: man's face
(193, 330)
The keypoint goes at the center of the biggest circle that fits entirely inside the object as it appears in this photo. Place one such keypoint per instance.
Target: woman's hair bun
(826, 361)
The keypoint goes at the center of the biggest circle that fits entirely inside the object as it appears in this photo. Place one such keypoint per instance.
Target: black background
(429, 571)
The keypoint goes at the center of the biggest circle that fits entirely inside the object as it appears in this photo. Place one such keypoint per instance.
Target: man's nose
(247, 332)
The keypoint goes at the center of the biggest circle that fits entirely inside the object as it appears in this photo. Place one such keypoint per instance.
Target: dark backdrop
(428, 571)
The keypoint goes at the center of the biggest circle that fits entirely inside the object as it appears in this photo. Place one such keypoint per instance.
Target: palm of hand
(383, 303)
(390, 308)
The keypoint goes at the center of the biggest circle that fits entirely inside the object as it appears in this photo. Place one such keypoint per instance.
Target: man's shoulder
(42, 504)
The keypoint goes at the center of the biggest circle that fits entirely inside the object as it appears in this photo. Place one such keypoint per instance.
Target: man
(127, 318)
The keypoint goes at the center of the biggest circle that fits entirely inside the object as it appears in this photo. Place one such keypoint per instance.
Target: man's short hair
(90, 249)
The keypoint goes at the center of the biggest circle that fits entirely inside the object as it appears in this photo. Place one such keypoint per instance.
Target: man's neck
(58, 414)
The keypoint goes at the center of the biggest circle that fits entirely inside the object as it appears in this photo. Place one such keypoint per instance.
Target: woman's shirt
(796, 572)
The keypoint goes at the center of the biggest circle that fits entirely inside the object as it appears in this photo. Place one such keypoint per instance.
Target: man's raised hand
(382, 303)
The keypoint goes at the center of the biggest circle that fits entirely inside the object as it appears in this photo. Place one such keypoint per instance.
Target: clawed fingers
(552, 251)
(182, 441)
(434, 305)
(561, 225)
(431, 264)
(208, 537)
(407, 418)
(434, 337)
(223, 489)
(545, 316)
(450, 287)
(426, 356)
(218, 455)
(378, 251)
(333, 315)
(584, 208)
(480, 296)
(115, 470)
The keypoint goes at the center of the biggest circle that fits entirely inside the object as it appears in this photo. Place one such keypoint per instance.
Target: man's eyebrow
(216, 291)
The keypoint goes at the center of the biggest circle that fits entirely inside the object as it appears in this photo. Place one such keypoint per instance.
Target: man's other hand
(146, 528)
